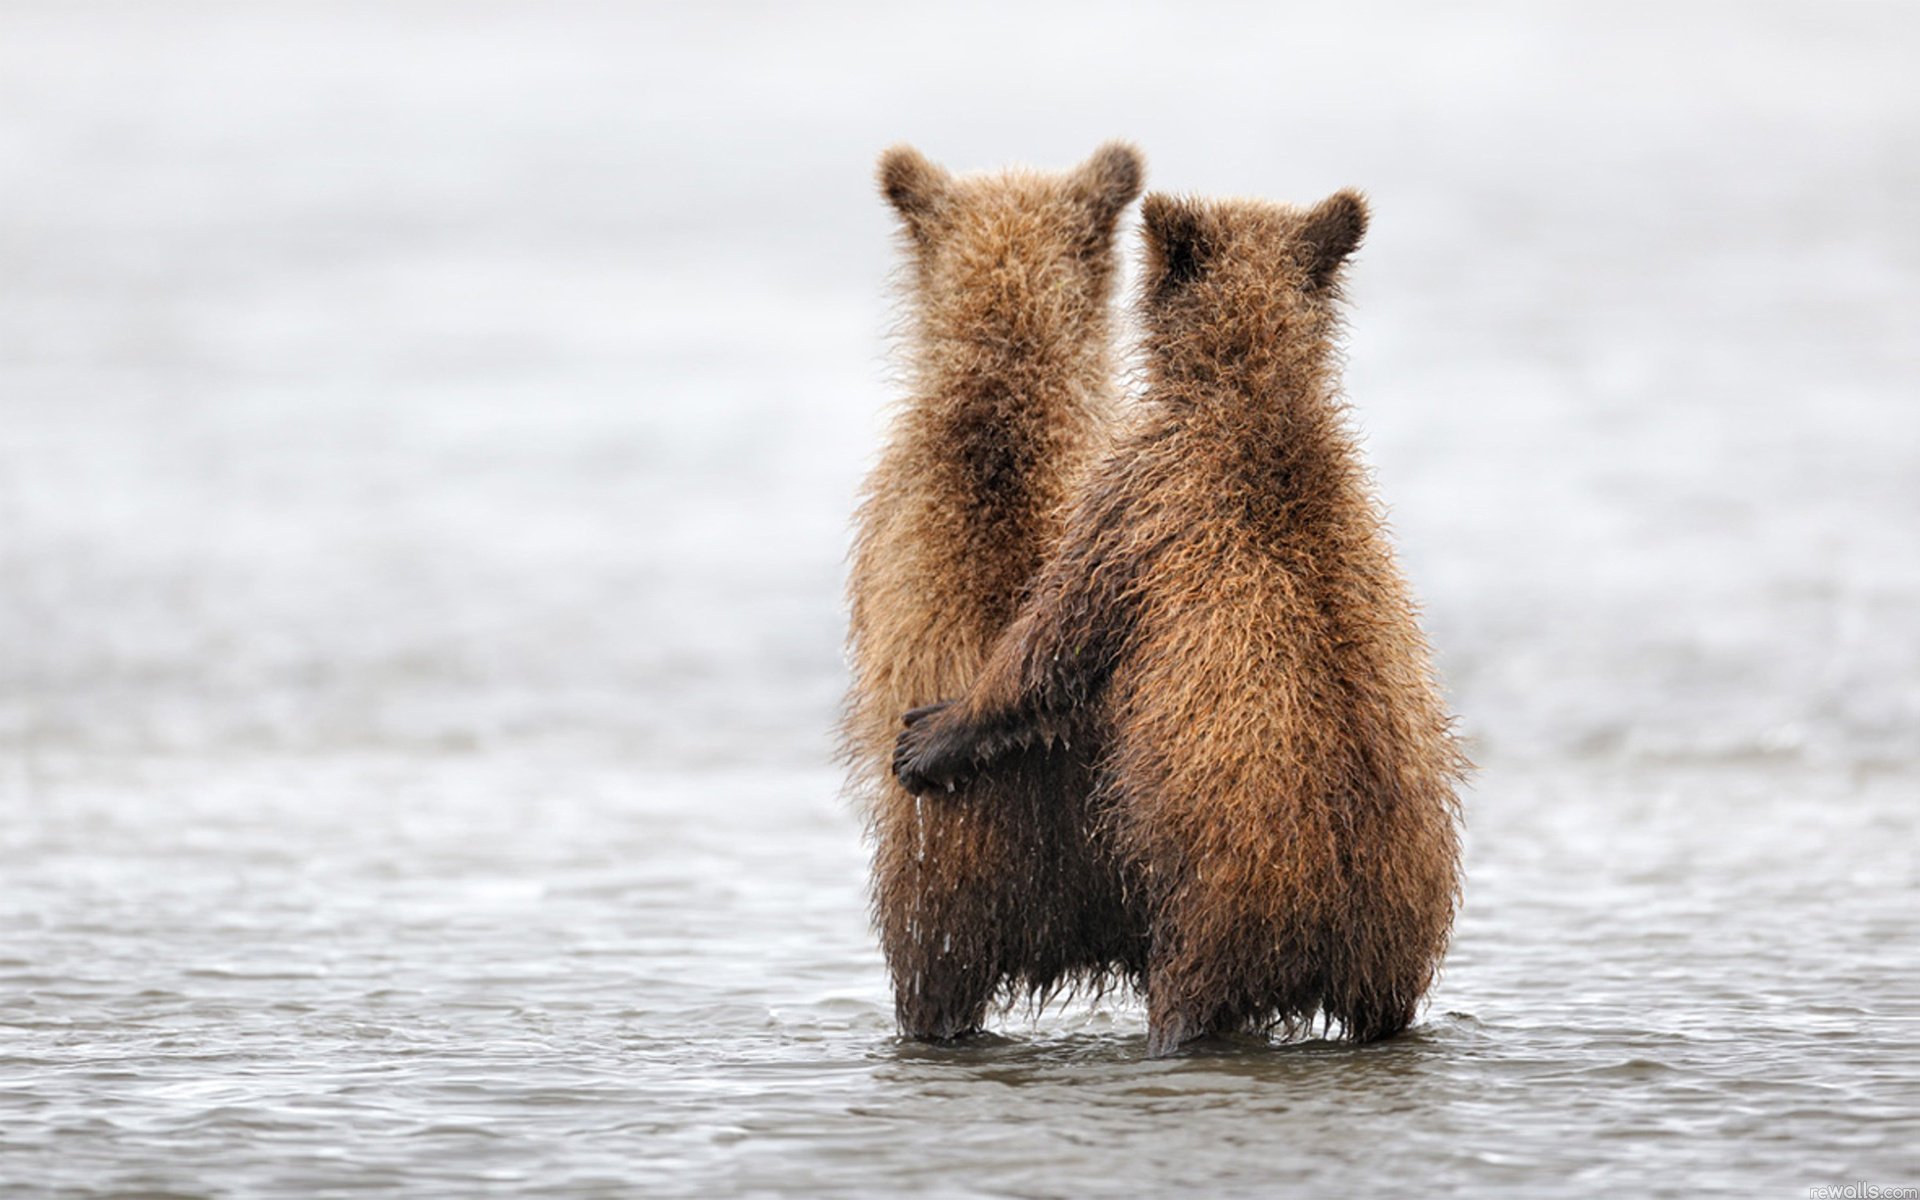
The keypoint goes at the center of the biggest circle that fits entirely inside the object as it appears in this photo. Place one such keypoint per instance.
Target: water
(428, 439)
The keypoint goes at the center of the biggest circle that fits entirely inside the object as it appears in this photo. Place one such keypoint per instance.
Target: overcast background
(469, 376)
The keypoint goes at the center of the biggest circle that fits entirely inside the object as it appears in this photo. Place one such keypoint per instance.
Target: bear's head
(1012, 260)
(1222, 274)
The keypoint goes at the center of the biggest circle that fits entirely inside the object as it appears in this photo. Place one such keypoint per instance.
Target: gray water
(427, 435)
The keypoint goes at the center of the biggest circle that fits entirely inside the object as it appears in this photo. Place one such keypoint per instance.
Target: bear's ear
(914, 186)
(1110, 180)
(1330, 233)
(1178, 247)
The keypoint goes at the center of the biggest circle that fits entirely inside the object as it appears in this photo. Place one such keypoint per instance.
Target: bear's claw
(930, 754)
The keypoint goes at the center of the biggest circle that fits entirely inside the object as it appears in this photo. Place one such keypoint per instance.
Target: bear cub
(1010, 392)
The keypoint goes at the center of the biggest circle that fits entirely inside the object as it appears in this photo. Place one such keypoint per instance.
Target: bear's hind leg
(942, 926)
(1181, 1006)
(936, 1003)
(1209, 977)
(945, 964)
(1167, 1032)
(1373, 1010)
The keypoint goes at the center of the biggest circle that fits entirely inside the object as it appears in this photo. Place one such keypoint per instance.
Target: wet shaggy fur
(1225, 631)
(1010, 282)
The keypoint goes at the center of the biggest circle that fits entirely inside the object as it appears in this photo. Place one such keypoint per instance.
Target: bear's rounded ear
(914, 186)
(1110, 180)
(1330, 233)
(1178, 247)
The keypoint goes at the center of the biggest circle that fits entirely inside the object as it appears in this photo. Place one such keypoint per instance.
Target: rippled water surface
(427, 435)
(305, 976)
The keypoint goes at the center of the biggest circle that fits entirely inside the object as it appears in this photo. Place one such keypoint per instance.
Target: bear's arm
(1049, 667)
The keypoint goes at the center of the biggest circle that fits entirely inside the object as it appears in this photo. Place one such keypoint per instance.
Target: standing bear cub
(1224, 630)
(1010, 282)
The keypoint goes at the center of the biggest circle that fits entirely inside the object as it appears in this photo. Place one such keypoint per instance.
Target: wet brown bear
(1225, 627)
(1011, 393)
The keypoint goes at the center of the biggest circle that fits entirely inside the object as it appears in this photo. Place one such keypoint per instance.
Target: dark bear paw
(934, 752)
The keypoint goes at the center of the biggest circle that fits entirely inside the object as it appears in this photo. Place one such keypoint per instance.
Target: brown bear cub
(1224, 630)
(1011, 280)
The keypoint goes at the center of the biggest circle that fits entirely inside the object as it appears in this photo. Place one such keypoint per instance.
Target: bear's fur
(1011, 392)
(1224, 629)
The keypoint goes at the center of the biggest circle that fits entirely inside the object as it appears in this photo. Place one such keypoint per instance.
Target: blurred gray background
(428, 433)
(475, 375)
